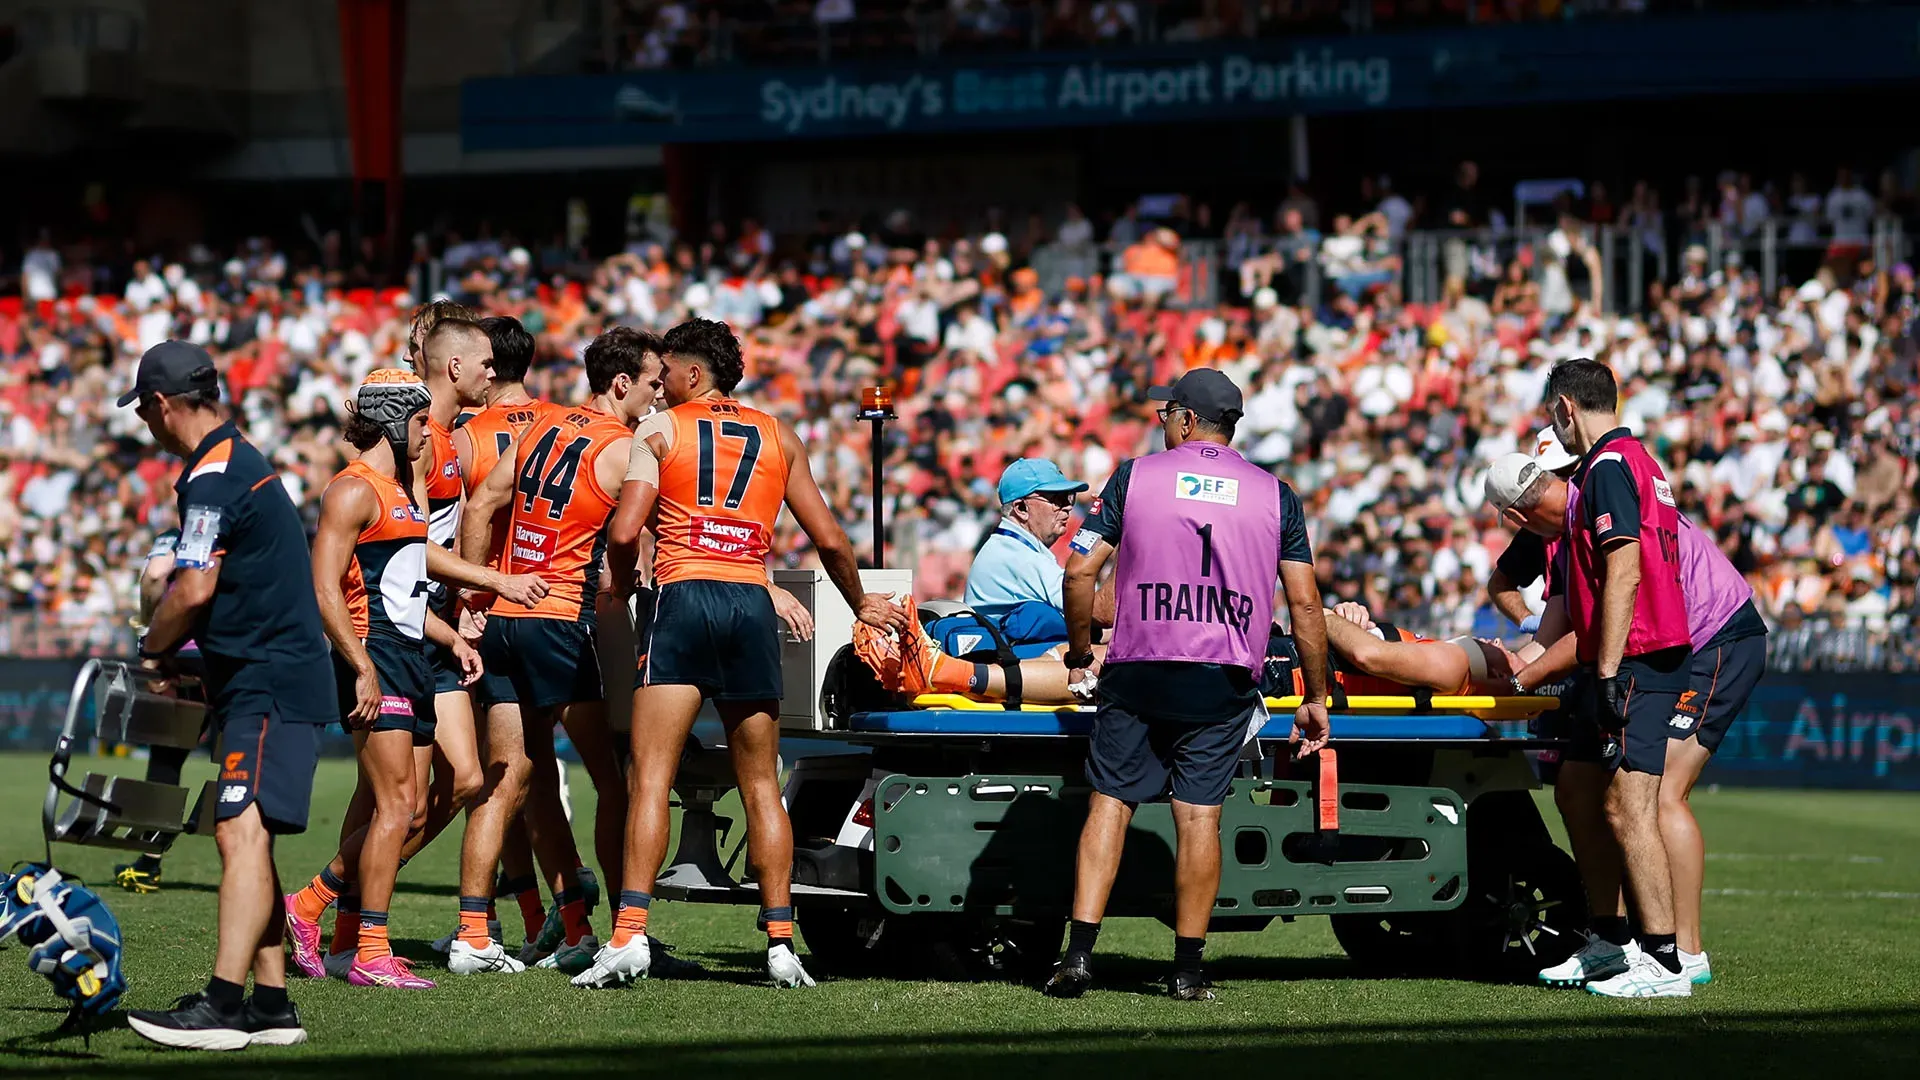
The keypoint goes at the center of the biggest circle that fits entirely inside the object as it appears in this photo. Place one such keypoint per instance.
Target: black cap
(1207, 392)
(172, 367)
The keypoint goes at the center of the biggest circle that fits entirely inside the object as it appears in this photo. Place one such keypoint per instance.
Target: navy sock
(1612, 929)
(473, 903)
(635, 898)
(1081, 937)
(1662, 948)
(372, 918)
(270, 999)
(1186, 954)
(332, 880)
(224, 995)
(977, 682)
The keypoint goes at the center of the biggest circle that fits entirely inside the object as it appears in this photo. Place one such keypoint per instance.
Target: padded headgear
(389, 397)
(74, 938)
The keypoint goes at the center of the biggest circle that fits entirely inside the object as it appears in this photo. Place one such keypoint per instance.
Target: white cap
(855, 241)
(1510, 477)
(519, 257)
(1746, 431)
(1812, 291)
(1823, 440)
(1549, 454)
(993, 244)
(1266, 298)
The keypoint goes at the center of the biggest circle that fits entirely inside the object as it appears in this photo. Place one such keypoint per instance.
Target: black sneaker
(194, 1023)
(665, 965)
(270, 1029)
(1189, 986)
(1070, 978)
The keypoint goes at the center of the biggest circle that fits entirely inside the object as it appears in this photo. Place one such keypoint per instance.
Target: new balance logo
(1680, 721)
(233, 793)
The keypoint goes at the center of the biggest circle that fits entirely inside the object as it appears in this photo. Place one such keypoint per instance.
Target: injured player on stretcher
(1368, 658)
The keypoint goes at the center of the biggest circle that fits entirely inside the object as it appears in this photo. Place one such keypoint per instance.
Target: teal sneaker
(572, 959)
(1696, 968)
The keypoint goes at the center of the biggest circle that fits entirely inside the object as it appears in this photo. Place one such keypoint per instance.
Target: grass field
(1812, 921)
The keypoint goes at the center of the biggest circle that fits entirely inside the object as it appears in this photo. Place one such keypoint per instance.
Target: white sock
(1688, 957)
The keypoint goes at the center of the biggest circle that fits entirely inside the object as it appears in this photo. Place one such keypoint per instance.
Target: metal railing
(1631, 257)
(41, 636)
(902, 28)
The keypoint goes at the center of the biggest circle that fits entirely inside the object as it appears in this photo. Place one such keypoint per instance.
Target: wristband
(1518, 690)
(1079, 660)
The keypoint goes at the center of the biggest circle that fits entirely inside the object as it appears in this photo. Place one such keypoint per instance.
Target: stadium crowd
(1788, 418)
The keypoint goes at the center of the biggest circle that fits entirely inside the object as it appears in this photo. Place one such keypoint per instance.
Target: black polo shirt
(261, 634)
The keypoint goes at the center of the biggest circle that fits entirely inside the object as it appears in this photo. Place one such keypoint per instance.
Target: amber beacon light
(876, 407)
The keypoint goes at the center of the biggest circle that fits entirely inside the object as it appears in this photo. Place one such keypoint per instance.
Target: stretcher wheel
(860, 943)
(1525, 915)
(843, 941)
(1399, 943)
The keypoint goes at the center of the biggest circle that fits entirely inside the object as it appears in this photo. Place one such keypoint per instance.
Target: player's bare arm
(492, 496)
(348, 507)
(444, 565)
(830, 540)
(445, 636)
(639, 492)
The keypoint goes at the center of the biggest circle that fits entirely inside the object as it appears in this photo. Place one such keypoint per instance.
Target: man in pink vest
(1626, 604)
(1203, 536)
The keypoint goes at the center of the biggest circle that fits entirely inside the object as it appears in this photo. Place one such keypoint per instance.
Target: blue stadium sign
(1653, 57)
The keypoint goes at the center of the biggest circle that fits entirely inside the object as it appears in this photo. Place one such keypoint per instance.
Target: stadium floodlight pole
(876, 407)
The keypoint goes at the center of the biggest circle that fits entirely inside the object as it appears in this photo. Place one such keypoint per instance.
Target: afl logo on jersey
(451, 468)
(399, 513)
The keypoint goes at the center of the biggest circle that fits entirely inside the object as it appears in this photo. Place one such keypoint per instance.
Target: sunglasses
(1059, 499)
(1169, 410)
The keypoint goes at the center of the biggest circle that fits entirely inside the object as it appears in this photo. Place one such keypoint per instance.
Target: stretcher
(107, 810)
(943, 845)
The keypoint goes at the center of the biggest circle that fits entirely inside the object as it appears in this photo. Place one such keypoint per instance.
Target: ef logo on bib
(1200, 487)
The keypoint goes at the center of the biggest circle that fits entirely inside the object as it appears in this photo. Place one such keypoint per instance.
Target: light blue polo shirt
(1014, 567)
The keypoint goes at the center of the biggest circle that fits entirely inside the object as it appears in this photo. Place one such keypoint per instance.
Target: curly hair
(712, 344)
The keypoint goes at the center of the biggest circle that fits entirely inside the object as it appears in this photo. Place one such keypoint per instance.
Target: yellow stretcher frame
(1482, 706)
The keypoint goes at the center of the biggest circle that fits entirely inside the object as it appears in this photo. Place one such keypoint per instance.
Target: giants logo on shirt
(1223, 490)
(533, 546)
(729, 537)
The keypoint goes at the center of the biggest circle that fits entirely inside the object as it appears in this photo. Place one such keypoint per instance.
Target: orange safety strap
(1329, 790)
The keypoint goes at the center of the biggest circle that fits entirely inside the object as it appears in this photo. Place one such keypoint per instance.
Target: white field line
(1740, 856)
(1815, 894)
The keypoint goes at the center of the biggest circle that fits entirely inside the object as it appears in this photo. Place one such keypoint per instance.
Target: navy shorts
(446, 670)
(267, 760)
(546, 663)
(1136, 759)
(1724, 675)
(721, 636)
(406, 688)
